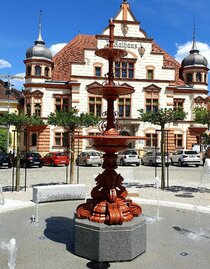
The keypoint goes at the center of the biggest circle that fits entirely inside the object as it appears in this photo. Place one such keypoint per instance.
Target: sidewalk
(188, 198)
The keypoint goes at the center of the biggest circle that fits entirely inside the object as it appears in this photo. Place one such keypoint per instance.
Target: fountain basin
(110, 143)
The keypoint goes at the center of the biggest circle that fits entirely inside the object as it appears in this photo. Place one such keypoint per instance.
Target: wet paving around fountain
(176, 238)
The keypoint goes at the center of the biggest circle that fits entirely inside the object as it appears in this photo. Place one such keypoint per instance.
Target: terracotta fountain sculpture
(109, 204)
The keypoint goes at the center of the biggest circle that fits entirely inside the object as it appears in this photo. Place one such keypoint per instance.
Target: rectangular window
(37, 109)
(95, 104)
(152, 140)
(97, 71)
(150, 74)
(124, 69)
(124, 107)
(28, 109)
(178, 138)
(61, 139)
(151, 105)
(178, 104)
(62, 103)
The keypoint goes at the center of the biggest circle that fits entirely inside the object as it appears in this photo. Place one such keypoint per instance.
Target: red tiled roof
(14, 95)
(73, 52)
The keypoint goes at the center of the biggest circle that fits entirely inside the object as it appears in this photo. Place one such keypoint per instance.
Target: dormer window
(37, 70)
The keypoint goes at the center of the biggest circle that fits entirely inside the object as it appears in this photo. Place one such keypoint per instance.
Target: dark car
(56, 158)
(5, 160)
(31, 159)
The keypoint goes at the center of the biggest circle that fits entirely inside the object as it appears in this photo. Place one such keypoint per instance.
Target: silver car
(154, 158)
(89, 158)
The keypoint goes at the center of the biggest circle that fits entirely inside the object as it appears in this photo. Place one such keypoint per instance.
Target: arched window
(37, 70)
(28, 70)
(46, 71)
(189, 77)
(205, 78)
(198, 77)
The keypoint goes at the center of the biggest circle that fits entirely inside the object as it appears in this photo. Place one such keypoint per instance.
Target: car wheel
(121, 162)
(197, 165)
(167, 164)
(40, 166)
(150, 163)
(137, 164)
(180, 163)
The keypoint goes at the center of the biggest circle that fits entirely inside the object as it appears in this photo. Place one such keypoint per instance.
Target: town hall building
(60, 82)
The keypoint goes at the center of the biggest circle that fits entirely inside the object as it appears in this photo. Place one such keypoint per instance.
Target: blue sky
(169, 22)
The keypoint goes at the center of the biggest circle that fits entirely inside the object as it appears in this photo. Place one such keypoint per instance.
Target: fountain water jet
(2, 200)
(12, 249)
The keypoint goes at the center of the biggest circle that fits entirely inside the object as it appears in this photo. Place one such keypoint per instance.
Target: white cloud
(57, 47)
(183, 50)
(19, 76)
(4, 64)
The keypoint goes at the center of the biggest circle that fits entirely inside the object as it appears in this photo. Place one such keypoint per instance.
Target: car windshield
(93, 153)
(132, 152)
(36, 155)
(189, 152)
(61, 154)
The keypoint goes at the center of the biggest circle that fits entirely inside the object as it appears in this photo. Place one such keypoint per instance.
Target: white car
(129, 156)
(186, 157)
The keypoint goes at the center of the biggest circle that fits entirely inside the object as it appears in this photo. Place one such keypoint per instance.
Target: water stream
(2, 200)
(11, 247)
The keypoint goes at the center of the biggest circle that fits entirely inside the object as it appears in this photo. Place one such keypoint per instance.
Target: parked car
(30, 159)
(5, 160)
(89, 157)
(154, 158)
(56, 158)
(186, 157)
(127, 157)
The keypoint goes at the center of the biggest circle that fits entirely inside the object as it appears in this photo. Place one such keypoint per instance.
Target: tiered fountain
(109, 206)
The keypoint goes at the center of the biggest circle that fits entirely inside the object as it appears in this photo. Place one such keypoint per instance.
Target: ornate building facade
(60, 82)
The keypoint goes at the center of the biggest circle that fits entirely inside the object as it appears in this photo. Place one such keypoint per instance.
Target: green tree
(3, 140)
(72, 120)
(20, 122)
(161, 118)
(202, 115)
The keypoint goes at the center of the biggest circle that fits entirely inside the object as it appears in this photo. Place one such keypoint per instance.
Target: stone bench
(49, 193)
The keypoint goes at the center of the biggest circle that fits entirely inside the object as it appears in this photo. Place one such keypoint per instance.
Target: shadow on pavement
(60, 230)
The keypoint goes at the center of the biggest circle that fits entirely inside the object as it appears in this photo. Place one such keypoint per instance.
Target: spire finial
(194, 47)
(40, 26)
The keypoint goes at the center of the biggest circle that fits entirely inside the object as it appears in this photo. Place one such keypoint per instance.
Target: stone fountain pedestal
(111, 243)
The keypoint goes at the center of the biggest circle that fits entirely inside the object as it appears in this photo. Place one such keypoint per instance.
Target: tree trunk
(18, 162)
(72, 157)
(162, 157)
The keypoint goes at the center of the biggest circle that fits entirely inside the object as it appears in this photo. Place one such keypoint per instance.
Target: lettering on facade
(124, 45)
